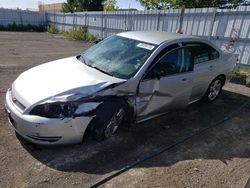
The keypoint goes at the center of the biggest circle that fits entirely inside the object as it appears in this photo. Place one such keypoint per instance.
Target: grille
(45, 138)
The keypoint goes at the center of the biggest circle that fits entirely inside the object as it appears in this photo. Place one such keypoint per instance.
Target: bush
(241, 74)
(2, 28)
(78, 34)
(92, 38)
(21, 27)
(52, 29)
(13, 27)
(240, 77)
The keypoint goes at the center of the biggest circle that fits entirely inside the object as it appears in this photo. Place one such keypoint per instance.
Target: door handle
(211, 67)
(184, 80)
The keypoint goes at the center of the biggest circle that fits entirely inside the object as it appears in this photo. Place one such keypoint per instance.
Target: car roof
(154, 37)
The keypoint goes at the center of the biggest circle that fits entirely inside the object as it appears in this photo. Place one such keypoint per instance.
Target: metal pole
(73, 21)
(130, 17)
(212, 24)
(179, 29)
(158, 20)
(76, 25)
(63, 21)
(21, 17)
(86, 20)
(46, 20)
(125, 22)
(102, 25)
(54, 22)
(105, 26)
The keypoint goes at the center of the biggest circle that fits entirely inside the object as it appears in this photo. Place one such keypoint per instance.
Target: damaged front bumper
(46, 131)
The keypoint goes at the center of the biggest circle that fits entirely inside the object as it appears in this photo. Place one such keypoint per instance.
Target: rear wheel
(109, 117)
(213, 90)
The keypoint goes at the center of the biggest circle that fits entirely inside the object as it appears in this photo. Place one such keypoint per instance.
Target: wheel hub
(114, 123)
(214, 89)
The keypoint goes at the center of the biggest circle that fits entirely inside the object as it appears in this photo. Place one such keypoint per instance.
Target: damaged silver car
(129, 77)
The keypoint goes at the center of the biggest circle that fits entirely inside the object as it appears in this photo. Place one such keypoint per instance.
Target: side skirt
(140, 120)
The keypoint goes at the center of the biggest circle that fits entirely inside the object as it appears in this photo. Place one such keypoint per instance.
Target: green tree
(83, 5)
(155, 4)
(109, 5)
(165, 4)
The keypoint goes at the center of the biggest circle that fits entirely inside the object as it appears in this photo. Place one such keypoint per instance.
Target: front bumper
(45, 131)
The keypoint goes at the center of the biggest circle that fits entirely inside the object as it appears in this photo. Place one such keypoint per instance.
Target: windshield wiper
(100, 70)
(83, 60)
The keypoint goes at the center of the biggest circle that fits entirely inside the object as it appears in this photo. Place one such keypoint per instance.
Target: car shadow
(144, 139)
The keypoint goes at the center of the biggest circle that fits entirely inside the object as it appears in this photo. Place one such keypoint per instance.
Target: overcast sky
(23, 4)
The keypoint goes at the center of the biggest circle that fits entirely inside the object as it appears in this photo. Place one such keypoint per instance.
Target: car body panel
(154, 37)
(41, 130)
(203, 74)
(63, 77)
(161, 95)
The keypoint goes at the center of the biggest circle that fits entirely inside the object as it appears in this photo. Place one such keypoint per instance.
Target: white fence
(212, 23)
(9, 16)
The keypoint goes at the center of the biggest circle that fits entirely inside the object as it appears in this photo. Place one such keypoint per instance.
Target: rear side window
(203, 52)
(214, 54)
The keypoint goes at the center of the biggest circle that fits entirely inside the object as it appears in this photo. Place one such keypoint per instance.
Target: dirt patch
(218, 158)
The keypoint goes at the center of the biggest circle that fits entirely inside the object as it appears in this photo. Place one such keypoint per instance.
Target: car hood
(64, 77)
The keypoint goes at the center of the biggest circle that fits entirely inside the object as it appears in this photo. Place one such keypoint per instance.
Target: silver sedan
(126, 78)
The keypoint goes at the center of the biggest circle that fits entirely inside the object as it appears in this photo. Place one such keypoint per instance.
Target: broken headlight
(54, 110)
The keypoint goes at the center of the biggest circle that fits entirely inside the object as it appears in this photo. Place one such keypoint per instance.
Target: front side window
(118, 56)
(175, 61)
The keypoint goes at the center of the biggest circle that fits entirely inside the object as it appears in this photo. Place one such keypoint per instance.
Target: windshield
(118, 56)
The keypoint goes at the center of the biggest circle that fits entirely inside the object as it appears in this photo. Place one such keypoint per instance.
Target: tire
(213, 90)
(109, 117)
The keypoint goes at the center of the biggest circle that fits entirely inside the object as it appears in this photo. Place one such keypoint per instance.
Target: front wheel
(213, 90)
(109, 117)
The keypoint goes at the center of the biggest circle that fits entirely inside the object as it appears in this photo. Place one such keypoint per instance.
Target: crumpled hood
(62, 77)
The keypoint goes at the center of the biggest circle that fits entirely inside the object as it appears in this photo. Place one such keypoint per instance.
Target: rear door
(167, 85)
(205, 60)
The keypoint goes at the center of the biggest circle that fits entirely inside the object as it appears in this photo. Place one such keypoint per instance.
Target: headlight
(54, 110)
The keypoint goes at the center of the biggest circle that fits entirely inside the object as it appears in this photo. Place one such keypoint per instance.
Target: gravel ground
(218, 158)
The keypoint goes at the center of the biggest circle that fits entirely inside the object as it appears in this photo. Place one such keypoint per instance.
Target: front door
(167, 85)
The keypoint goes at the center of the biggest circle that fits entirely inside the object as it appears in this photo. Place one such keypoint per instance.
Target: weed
(241, 78)
(241, 74)
(78, 34)
(52, 29)
(92, 38)
(21, 27)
